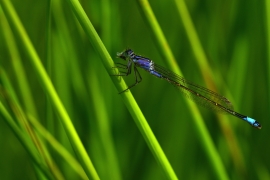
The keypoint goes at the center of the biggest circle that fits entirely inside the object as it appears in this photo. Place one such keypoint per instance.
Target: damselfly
(199, 94)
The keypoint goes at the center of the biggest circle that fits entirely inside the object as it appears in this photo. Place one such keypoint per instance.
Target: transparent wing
(199, 94)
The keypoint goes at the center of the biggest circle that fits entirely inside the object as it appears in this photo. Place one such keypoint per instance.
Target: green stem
(50, 90)
(127, 97)
(164, 48)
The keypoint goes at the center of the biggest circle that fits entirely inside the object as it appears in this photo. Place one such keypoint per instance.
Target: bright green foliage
(61, 116)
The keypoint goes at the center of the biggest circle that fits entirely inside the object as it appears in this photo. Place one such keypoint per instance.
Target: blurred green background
(234, 37)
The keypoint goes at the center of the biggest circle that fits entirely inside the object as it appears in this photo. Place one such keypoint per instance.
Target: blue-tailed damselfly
(199, 94)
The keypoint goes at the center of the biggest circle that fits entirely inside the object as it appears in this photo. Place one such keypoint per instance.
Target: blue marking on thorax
(147, 65)
(143, 63)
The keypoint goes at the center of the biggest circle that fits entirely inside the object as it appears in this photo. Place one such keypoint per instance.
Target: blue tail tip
(256, 124)
(253, 122)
